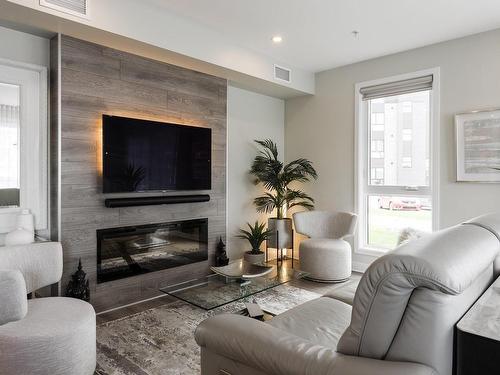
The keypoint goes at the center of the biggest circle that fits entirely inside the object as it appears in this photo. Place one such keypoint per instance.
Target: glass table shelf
(215, 290)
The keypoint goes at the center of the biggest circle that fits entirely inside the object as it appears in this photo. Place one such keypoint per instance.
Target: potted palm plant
(276, 177)
(256, 235)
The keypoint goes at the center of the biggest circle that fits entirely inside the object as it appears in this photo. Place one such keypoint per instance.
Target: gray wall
(321, 127)
(250, 116)
(96, 80)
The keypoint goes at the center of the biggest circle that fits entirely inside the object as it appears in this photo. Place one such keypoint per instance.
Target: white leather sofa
(401, 321)
(42, 336)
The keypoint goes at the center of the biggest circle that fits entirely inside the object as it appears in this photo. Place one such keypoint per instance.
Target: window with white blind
(396, 158)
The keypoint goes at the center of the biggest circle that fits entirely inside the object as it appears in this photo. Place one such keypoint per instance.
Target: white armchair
(54, 335)
(325, 255)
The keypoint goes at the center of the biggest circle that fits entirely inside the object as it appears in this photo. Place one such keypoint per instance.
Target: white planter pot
(283, 227)
(259, 258)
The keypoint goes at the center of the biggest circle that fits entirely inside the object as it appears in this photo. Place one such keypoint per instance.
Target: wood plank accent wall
(97, 80)
(54, 139)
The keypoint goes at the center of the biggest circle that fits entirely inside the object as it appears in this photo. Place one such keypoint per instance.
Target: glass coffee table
(215, 290)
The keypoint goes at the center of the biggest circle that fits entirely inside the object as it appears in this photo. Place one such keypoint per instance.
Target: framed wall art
(478, 146)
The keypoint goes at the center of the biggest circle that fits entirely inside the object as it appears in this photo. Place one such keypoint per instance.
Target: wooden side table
(478, 335)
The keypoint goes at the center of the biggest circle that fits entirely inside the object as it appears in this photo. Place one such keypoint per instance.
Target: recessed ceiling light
(277, 39)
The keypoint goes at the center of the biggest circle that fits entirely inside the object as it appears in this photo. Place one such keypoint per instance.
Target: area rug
(161, 340)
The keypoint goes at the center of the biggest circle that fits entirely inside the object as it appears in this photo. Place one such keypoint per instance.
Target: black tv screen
(140, 155)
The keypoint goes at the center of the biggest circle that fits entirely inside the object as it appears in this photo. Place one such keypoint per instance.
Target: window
(395, 178)
(378, 118)
(406, 107)
(23, 142)
(377, 176)
(9, 145)
(406, 163)
(378, 127)
(377, 150)
(407, 134)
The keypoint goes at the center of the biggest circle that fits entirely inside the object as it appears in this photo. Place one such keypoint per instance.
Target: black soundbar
(149, 201)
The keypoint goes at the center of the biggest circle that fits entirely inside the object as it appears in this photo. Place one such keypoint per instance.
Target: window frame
(33, 80)
(362, 161)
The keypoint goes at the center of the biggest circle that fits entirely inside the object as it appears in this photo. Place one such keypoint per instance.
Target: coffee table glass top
(215, 290)
(242, 269)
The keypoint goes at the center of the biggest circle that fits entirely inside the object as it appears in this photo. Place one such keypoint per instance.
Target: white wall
(250, 116)
(24, 47)
(153, 24)
(321, 127)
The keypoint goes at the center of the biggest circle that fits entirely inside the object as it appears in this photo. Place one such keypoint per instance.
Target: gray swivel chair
(325, 255)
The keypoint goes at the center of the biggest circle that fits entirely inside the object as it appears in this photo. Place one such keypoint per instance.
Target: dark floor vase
(78, 286)
(282, 232)
(221, 258)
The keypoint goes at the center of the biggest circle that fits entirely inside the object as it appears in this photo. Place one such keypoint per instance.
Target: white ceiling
(317, 34)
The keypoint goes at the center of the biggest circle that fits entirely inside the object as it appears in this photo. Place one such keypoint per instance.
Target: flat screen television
(140, 155)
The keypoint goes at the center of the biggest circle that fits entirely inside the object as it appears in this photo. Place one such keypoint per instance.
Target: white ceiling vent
(78, 8)
(282, 74)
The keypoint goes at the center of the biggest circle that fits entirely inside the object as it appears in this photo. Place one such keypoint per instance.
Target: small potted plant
(277, 178)
(256, 235)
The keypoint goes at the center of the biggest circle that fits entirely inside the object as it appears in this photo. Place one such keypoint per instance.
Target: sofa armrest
(262, 346)
(14, 304)
(39, 262)
(273, 351)
(350, 365)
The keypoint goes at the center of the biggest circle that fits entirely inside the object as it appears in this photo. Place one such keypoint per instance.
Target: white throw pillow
(410, 234)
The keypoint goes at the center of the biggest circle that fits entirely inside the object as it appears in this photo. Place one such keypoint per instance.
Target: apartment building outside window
(396, 188)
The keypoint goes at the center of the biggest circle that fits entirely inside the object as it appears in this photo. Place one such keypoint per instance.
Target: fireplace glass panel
(129, 251)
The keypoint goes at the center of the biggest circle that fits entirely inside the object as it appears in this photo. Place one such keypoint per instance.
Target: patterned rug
(161, 340)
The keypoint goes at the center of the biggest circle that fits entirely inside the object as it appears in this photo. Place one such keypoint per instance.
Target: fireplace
(135, 250)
